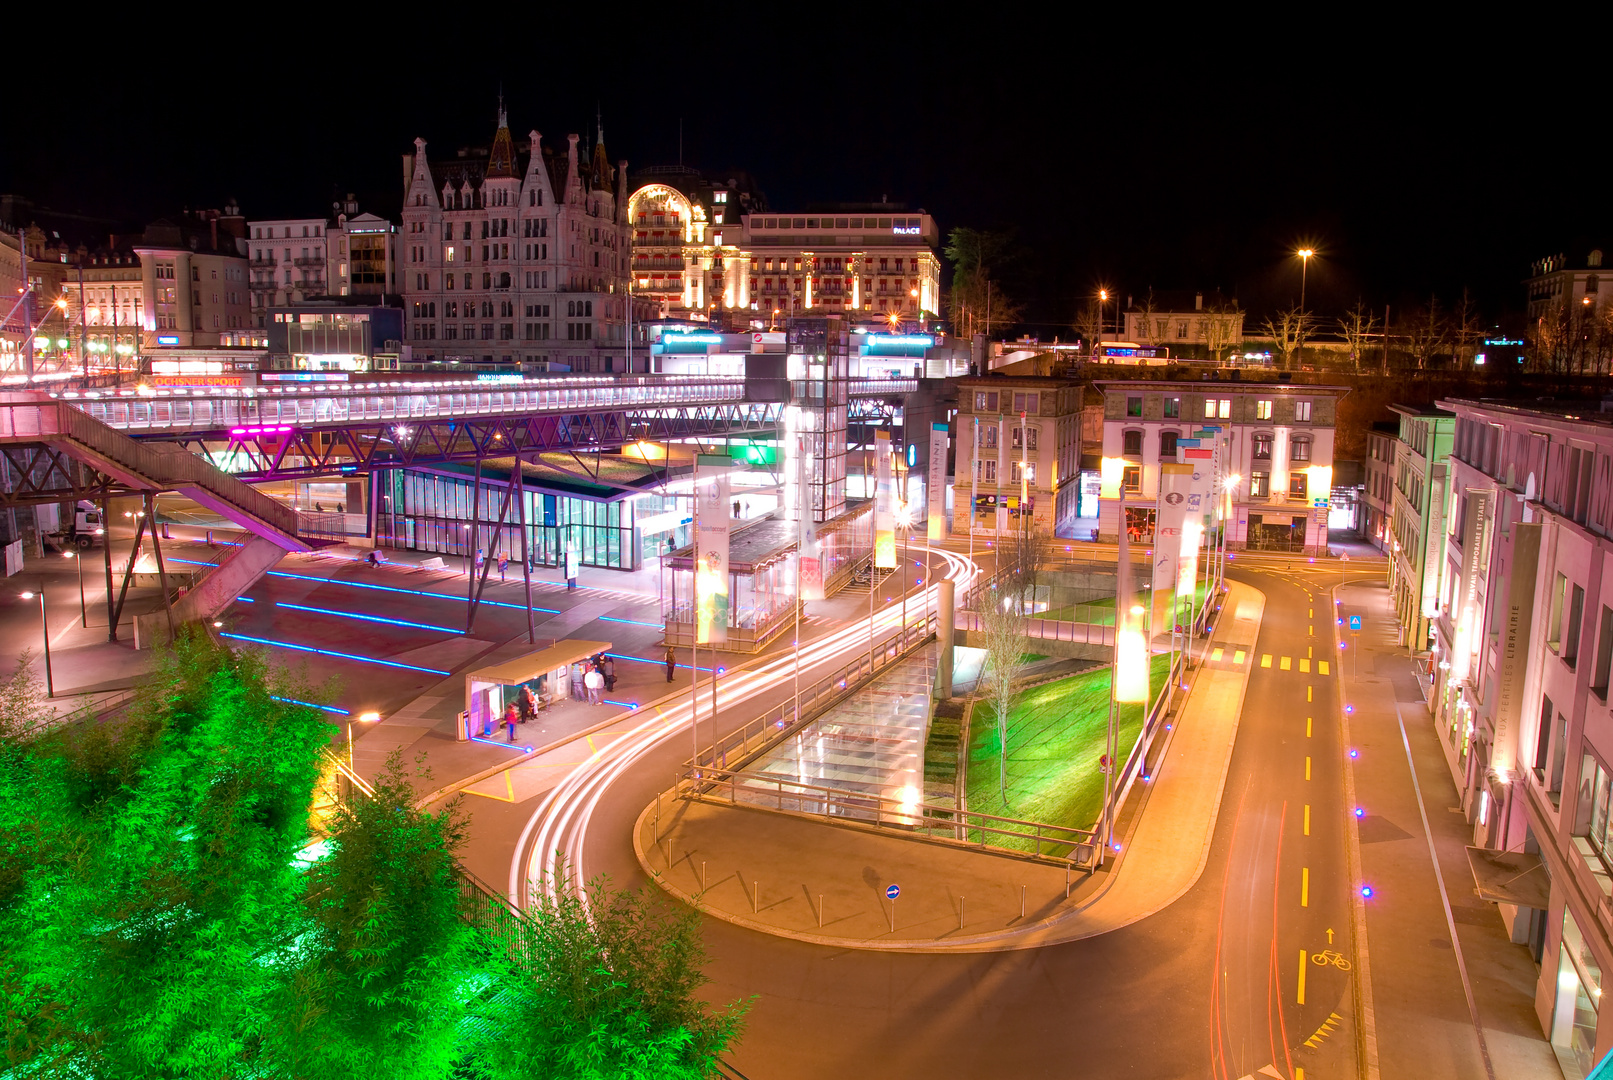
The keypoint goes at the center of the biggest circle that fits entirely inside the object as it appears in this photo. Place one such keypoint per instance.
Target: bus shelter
(548, 672)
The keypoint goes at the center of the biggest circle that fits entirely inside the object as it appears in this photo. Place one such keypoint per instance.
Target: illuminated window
(1263, 410)
(1302, 411)
(1300, 450)
(1224, 408)
(1131, 478)
(1262, 448)
(1298, 485)
(1259, 485)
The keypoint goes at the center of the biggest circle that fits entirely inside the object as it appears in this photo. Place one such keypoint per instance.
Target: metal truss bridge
(313, 430)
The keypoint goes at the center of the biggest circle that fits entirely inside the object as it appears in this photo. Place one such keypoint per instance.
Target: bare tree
(1145, 318)
(1466, 329)
(1427, 333)
(1089, 324)
(1286, 329)
(1006, 643)
(1356, 327)
(1216, 325)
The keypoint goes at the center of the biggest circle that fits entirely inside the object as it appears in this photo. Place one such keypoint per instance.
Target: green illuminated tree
(385, 971)
(149, 865)
(602, 983)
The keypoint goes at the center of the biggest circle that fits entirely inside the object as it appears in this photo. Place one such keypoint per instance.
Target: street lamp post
(83, 609)
(44, 625)
(1299, 330)
(1103, 298)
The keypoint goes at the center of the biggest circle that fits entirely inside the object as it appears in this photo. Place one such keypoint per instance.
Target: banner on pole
(937, 481)
(884, 504)
(711, 548)
(1130, 650)
(1175, 485)
(809, 561)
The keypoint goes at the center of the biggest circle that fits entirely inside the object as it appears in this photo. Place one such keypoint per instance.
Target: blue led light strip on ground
(367, 618)
(311, 705)
(642, 660)
(630, 622)
(407, 592)
(332, 652)
(499, 742)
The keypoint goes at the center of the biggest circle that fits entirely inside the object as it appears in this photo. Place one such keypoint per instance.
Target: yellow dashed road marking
(1304, 665)
(1321, 667)
(1305, 886)
(1308, 691)
(1307, 767)
(1307, 819)
(1237, 657)
(1307, 727)
(1287, 663)
(1265, 660)
(1216, 653)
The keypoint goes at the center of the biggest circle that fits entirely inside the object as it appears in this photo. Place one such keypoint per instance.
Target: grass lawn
(1055, 737)
(1102, 612)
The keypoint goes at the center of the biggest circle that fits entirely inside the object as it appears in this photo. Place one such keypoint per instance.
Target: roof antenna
(599, 125)
(503, 121)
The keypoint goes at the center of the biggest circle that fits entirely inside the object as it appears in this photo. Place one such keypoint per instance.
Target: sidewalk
(1423, 1024)
(778, 873)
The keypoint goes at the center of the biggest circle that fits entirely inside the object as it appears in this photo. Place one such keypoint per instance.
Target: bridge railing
(303, 406)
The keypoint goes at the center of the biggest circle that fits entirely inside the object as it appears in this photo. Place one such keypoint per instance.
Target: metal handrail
(942, 823)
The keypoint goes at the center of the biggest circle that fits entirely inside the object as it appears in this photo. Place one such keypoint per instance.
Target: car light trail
(562, 820)
(333, 652)
(367, 618)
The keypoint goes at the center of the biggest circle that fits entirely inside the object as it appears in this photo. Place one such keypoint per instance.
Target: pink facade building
(1518, 687)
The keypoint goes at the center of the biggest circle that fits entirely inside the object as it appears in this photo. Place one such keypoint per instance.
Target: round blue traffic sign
(892, 891)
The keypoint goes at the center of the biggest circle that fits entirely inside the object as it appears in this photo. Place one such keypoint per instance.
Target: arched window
(1299, 450)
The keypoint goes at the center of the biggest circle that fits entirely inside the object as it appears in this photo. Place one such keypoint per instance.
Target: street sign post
(1355, 622)
(891, 893)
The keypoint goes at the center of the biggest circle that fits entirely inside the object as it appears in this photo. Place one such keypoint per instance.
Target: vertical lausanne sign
(936, 493)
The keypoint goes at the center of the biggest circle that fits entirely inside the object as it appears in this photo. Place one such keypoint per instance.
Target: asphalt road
(1210, 986)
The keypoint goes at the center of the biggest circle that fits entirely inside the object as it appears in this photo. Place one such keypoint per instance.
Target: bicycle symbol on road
(1329, 956)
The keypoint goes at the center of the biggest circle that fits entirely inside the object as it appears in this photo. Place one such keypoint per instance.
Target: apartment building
(1417, 501)
(1524, 638)
(1272, 445)
(1017, 438)
(349, 254)
(1378, 476)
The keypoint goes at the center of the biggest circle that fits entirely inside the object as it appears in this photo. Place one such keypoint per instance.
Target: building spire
(501, 159)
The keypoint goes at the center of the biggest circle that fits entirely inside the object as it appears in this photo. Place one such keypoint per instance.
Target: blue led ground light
(333, 652)
(630, 622)
(310, 704)
(408, 592)
(367, 618)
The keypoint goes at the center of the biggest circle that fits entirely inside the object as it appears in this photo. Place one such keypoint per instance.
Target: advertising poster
(809, 566)
(711, 548)
(884, 504)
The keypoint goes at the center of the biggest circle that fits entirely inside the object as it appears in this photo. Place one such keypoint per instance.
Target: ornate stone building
(516, 256)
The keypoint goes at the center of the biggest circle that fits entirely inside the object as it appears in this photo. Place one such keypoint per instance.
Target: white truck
(81, 532)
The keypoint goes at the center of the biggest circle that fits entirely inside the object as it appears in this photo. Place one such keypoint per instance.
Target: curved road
(1209, 987)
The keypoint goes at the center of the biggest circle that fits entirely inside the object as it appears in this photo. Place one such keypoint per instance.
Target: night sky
(1186, 155)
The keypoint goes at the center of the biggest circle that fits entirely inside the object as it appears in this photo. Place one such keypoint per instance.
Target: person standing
(594, 682)
(511, 718)
(671, 663)
(610, 674)
(527, 704)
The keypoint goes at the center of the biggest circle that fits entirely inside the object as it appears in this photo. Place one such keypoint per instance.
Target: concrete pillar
(945, 601)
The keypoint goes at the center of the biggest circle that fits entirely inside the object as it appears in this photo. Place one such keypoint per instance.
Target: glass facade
(423, 511)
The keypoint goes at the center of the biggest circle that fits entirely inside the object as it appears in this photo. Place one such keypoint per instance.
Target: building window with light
(1298, 485)
(1261, 448)
(1263, 409)
(1299, 450)
(1134, 406)
(1302, 412)
(1259, 485)
(1131, 479)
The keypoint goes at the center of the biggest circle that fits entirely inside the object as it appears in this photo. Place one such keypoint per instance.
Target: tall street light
(1304, 266)
(50, 686)
(83, 610)
(1103, 298)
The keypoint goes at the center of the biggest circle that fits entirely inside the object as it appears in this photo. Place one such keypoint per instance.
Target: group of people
(599, 675)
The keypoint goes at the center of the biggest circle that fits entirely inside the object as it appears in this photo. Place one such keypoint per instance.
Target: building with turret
(515, 257)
